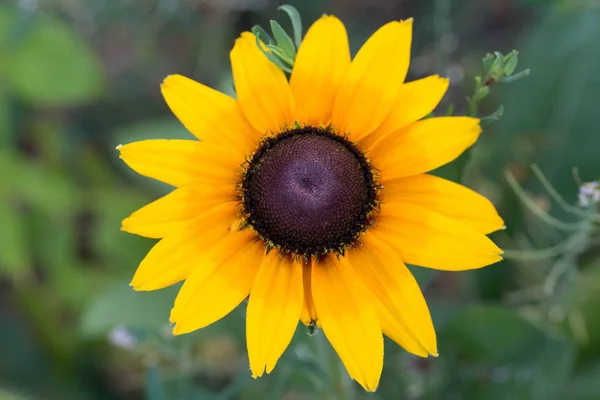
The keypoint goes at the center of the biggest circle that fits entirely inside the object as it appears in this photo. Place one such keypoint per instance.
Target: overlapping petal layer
(320, 67)
(274, 308)
(369, 89)
(348, 316)
(262, 88)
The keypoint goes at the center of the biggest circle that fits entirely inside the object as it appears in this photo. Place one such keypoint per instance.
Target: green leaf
(276, 51)
(499, 61)
(481, 94)
(121, 305)
(50, 64)
(516, 77)
(488, 61)
(296, 22)
(261, 34)
(272, 57)
(284, 42)
(495, 116)
(511, 60)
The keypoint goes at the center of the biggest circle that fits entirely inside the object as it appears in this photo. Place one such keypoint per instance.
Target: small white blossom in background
(589, 194)
(121, 337)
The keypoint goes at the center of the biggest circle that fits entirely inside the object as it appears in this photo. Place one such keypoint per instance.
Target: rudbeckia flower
(309, 197)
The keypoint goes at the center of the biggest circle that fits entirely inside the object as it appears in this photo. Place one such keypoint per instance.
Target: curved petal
(428, 239)
(162, 216)
(321, 64)
(309, 313)
(273, 312)
(415, 100)
(369, 89)
(221, 283)
(402, 308)
(210, 115)
(447, 198)
(423, 146)
(181, 162)
(262, 89)
(347, 314)
(173, 258)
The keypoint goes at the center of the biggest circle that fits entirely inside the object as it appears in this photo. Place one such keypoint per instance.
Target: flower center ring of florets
(308, 192)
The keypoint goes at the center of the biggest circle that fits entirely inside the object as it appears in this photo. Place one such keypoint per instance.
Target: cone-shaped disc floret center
(308, 192)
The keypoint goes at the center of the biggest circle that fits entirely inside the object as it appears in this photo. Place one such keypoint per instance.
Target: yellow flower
(309, 197)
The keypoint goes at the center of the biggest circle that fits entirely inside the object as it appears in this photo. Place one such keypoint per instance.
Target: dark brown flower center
(308, 191)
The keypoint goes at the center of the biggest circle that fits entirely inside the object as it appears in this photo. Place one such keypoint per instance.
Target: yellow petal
(447, 198)
(429, 239)
(402, 308)
(173, 258)
(221, 281)
(423, 146)
(415, 100)
(347, 314)
(309, 313)
(369, 90)
(273, 312)
(159, 218)
(321, 64)
(211, 116)
(262, 88)
(181, 162)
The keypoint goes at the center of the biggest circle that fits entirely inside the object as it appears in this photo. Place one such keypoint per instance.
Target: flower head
(589, 194)
(309, 196)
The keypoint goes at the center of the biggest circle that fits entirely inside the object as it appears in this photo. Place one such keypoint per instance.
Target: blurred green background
(79, 77)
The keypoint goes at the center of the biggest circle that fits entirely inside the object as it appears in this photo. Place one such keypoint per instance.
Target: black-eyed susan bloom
(308, 197)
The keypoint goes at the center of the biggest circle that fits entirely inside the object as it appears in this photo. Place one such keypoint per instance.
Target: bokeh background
(79, 77)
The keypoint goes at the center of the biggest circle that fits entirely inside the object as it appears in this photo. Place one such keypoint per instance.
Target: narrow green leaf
(495, 116)
(516, 77)
(283, 40)
(273, 58)
(277, 51)
(261, 34)
(296, 22)
(277, 61)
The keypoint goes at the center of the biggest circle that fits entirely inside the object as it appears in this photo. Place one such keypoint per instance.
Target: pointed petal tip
(169, 78)
(255, 374)
(176, 330)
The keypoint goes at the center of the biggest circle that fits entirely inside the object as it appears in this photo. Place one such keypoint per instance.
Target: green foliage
(46, 62)
(281, 51)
